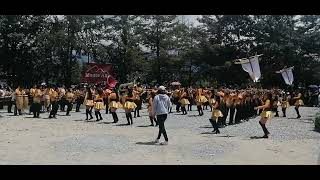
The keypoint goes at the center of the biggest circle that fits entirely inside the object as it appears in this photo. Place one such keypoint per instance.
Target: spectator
(161, 105)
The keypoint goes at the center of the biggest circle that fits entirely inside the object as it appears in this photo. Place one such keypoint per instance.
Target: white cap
(162, 88)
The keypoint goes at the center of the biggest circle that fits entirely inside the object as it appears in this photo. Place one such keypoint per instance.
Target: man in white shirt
(161, 105)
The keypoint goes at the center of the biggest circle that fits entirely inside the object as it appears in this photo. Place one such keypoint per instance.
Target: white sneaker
(164, 143)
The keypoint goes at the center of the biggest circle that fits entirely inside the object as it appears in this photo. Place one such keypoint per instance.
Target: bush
(317, 122)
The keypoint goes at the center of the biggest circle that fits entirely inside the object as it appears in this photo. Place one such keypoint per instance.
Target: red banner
(99, 74)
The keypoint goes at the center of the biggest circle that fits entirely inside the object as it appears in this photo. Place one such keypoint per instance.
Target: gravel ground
(70, 140)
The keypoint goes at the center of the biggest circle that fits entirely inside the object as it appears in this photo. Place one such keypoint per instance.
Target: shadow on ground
(205, 127)
(122, 125)
(145, 126)
(146, 143)
(256, 137)
(105, 123)
(193, 115)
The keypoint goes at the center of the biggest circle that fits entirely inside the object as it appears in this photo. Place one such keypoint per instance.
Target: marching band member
(79, 99)
(129, 105)
(19, 92)
(137, 100)
(106, 94)
(190, 98)
(114, 104)
(98, 104)
(184, 101)
(238, 106)
(231, 105)
(12, 99)
(212, 100)
(88, 102)
(200, 99)
(47, 92)
(62, 93)
(216, 113)
(275, 105)
(37, 102)
(176, 97)
(31, 94)
(284, 105)
(298, 103)
(69, 99)
(150, 107)
(54, 98)
(266, 113)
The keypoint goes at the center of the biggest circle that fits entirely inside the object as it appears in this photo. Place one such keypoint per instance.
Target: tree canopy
(159, 48)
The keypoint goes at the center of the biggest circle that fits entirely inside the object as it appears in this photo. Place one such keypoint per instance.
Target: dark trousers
(78, 104)
(115, 117)
(225, 115)
(54, 110)
(63, 103)
(10, 106)
(69, 108)
(161, 119)
(232, 111)
(238, 114)
(105, 101)
(284, 111)
(178, 107)
(36, 107)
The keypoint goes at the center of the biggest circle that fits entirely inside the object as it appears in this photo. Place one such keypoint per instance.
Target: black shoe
(50, 117)
(284, 116)
(265, 136)
(230, 124)
(214, 131)
(138, 116)
(217, 132)
(151, 125)
(128, 124)
(91, 118)
(298, 117)
(86, 119)
(97, 120)
(101, 118)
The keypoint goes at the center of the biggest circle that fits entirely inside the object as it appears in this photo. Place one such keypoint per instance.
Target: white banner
(252, 68)
(287, 75)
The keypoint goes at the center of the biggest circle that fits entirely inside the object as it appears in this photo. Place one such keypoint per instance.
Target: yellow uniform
(37, 96)
(216, 113)
(112, 99)
(70, 97)
(200, 98)
(285, 104)
(184, 99)
(54, 96)
(98, 102)
(129, 104)
(19, 98)
(267, 113)
(299, 101)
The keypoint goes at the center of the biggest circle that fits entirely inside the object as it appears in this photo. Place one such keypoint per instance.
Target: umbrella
(313, 86)
(175, 83)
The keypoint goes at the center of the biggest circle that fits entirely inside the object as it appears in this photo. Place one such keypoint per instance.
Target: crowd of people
(238, 104)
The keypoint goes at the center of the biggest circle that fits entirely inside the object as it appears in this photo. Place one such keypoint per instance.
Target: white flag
(252, 68)
(287, 75)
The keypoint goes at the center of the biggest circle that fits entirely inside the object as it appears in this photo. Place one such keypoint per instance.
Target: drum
(25, 102)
